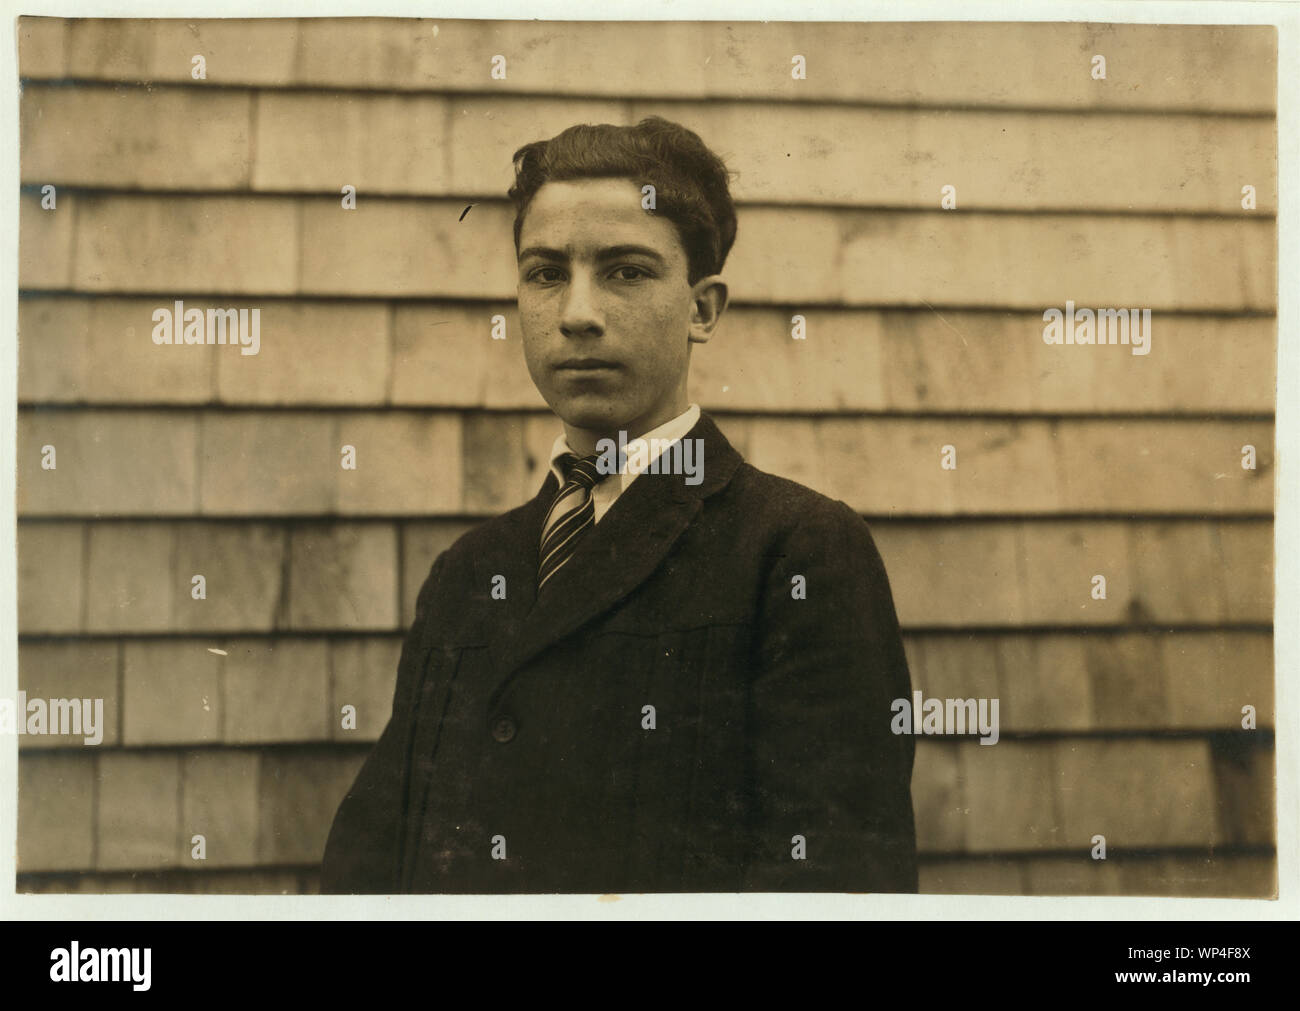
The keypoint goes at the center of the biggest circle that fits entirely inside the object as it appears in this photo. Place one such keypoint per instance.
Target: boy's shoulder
(766, 506)
(786, 504)
(486, 536)
(757, 499)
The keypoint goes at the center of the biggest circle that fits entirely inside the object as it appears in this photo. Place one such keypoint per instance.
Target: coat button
(503, 729)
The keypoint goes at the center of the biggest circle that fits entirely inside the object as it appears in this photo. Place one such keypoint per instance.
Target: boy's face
(607, 312)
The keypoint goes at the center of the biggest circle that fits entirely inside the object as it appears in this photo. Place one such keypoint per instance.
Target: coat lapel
(613, 559)
(514, 557)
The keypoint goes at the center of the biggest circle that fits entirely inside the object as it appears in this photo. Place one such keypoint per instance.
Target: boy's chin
(591, 416)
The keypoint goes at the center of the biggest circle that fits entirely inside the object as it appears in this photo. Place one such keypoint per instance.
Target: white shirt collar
(666, 434)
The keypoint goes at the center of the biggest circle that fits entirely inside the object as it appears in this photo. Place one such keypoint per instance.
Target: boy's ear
(708, 303)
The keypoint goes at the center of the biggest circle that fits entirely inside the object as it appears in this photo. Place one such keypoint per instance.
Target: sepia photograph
(606, 458)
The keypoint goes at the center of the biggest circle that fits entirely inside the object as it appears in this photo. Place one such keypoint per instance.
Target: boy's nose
(581, 315)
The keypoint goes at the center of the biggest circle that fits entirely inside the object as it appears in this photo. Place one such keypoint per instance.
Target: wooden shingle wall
(1120, 716)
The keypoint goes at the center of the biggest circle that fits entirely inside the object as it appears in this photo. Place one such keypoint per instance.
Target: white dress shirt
(607, 491)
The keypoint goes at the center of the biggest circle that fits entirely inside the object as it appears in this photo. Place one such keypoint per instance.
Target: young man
(669, 671)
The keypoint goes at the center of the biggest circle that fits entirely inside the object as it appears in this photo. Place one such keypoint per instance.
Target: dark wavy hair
(690, 181)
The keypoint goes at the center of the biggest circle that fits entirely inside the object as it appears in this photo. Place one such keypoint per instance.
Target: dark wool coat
(520, 756)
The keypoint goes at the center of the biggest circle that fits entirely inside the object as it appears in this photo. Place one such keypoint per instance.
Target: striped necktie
(572, 512)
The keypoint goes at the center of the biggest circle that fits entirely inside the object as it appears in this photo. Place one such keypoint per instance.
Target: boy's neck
(584, 441)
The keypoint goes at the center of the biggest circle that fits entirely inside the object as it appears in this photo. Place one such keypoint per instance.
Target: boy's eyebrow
(543, 252)
(631, 250)
(608, 253)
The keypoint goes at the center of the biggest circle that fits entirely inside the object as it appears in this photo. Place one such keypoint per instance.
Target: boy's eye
(546, 275)
(630, 272)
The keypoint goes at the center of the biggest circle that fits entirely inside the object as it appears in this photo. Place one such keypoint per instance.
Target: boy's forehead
(604, 212)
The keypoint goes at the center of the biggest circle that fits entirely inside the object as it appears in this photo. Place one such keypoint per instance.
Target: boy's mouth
(586, 365)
